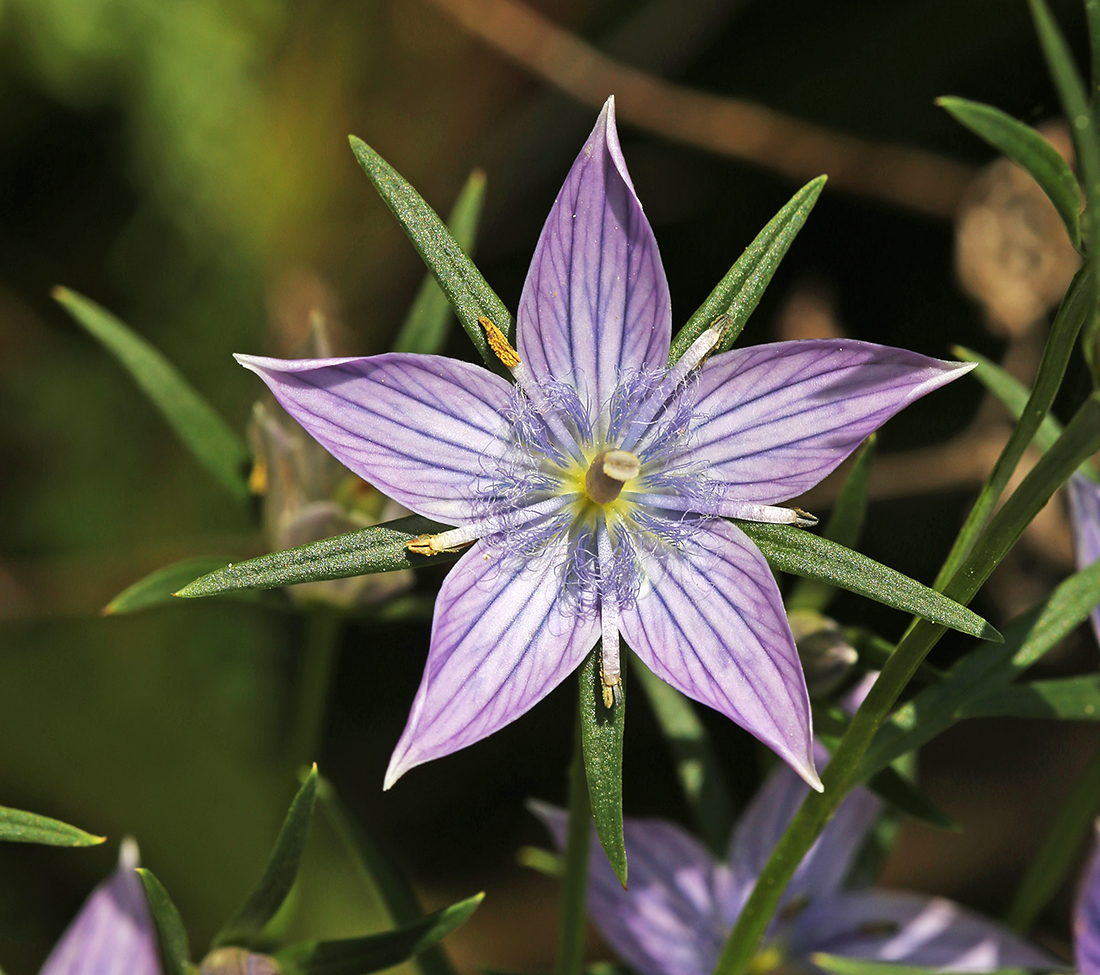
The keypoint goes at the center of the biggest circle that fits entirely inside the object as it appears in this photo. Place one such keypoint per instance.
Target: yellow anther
(612, 691)
(501, 347)
(421, 545)
(257, 480)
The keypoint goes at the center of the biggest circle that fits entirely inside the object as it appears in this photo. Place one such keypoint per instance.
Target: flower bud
(826, 656)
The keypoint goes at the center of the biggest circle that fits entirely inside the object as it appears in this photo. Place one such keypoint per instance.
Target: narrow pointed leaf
(602, 740)
(840, 965)
(739, 292)
(1013, 395)
(1073, 699)
(380, 548)
(697, 767)
(1067, 324)
(1022, 144)
(158, 587)
(802, 553)
(428, 322)
(17, 826)
(175, 951)
(461, 281)
(904, 796)
(198, 425)
(279, 875)
(380, 875)
(1092, 14)
(845, 525)
(546, 862)
(989, 668)
(1082, 125)
(874, 651)
(1058, 851)
(358, 956)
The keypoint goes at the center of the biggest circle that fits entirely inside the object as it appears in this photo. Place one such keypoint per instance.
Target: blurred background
(186, 165)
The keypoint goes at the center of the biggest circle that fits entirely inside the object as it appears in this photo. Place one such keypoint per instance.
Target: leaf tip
(60, 293)
(991, 633)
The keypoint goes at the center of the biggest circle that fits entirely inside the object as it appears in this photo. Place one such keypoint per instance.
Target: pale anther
(608, 472)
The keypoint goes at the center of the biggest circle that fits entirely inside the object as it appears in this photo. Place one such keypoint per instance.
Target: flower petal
(595, 305)
(769, 814)
(113, 934)
(773, 420)
(911, 929)
(669, 921)
(709, 621)
(423, 429)
(1086, 919)
(505, 634)
(1084, 510)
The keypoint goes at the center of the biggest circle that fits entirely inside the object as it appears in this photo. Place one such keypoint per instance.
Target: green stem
(574, 881)
(323, 629)
(1080, 439)
(1063, 334)
(1047, 870)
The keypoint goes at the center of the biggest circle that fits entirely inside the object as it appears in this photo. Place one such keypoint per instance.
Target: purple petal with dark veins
(709, 620)
(669, 920)
(1086, 918)
(911, 929)
(1084, 510)
(421, 428)
(595, 306)
(505, 633)
(113, 934)
(773, 420)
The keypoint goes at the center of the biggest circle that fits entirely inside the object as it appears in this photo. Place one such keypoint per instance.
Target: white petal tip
(128, 856)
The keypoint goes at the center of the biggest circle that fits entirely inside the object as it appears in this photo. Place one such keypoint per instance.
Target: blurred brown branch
(913, 178)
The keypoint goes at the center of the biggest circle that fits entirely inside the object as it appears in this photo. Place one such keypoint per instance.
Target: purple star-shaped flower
(682, 903)
(113, 934)
(596, 488)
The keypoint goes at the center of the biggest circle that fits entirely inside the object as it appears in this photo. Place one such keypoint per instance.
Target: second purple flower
(596, 488)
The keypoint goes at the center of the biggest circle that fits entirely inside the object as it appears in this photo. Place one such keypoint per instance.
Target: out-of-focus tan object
(808, 312)
(1012, 251)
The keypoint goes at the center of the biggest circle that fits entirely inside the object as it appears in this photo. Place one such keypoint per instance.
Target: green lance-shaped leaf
(17, 826)
(380, 875)
(158, 587)
(1082, 125)
(802, 553)
(1072, 699)
(427, 324)
(1058, 851)
(175, 951)
(839, 965)
(844, 527)
(1071, 315)
(875, 650)
(602, 741)
(1013, 395)
(1092, 14)
(380, 548)
(697, 767)
(986, 670)
(193, 419)
(461, 281)
(358, 956)
(739, 292)
(279, 875)
(1022, 144)
(904, 796)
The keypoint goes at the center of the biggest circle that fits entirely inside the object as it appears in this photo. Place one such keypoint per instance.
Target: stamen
(503, 350)
(608, 472)
(500, 345)
(694, 357)
(610, 674)
(456, 538)
(741, 510)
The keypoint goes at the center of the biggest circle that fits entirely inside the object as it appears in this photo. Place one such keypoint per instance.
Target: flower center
(609, 471)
